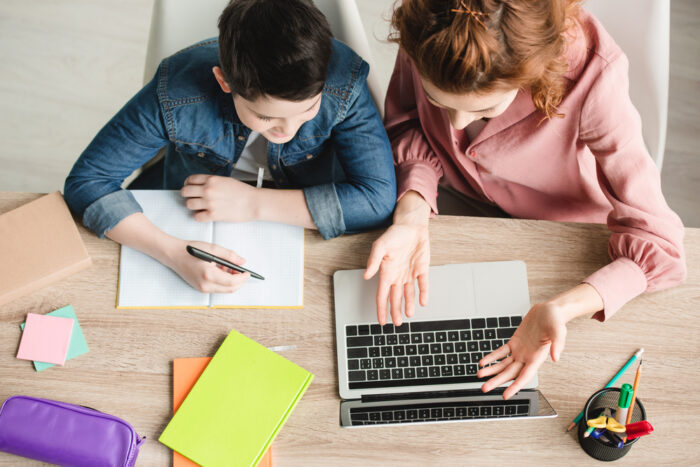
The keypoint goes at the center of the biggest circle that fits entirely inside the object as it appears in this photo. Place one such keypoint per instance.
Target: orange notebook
(40, 245)
(186, 372)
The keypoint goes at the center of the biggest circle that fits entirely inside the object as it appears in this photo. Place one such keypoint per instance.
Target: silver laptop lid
(457, 291)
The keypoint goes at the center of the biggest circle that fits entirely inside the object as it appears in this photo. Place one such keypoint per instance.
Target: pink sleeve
(646, 244)
(417, 166)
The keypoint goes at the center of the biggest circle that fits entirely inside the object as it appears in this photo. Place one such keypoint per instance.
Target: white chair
(178, 23)
(642, 28)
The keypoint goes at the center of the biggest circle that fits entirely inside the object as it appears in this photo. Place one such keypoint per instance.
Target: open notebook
(276, 251)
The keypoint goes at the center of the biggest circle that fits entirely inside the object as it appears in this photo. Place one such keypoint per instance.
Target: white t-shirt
(253, 157)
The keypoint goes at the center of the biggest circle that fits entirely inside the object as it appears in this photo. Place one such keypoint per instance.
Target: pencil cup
(598, 448)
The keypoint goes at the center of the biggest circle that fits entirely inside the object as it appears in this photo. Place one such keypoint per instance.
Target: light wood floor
(69, 65)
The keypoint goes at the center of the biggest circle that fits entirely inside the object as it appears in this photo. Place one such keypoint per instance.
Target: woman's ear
(219, 75)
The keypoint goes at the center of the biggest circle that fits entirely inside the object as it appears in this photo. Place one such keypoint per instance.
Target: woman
(523, 105)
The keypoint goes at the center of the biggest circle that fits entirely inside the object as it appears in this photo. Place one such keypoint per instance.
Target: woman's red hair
(465, 46)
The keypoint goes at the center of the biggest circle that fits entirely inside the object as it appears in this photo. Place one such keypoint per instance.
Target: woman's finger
(506, 375)
(493, 369)
(383, 288)
(376, 255)
(395, 303)
(498, 354)
(423, 285)
(527, 373)
(409, 296)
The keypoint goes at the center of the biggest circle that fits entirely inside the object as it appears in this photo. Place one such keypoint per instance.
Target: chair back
(642, 30)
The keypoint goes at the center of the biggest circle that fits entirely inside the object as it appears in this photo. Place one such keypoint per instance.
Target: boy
(275, 74)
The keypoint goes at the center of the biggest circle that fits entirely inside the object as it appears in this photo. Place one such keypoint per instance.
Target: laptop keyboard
(439, 412)
(422, 353)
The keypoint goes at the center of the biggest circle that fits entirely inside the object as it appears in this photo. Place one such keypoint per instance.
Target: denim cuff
(325, 209)
(105, 213)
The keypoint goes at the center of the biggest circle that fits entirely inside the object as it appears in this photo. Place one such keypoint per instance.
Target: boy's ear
(219, 75)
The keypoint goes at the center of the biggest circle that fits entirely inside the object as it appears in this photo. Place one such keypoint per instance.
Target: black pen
(203, 255)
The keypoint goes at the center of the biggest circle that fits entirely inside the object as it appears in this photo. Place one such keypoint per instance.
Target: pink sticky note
(45, 339)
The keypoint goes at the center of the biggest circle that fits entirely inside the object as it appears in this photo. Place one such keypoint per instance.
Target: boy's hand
(542, 332)
(217, 198)
(202, 275)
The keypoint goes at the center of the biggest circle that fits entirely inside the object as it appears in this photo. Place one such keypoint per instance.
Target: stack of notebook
(236, 407)
(40, 244)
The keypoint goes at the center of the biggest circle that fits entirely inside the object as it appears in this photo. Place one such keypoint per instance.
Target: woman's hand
(216, 198)
(402, 255)
(541, 333)
(202, 275)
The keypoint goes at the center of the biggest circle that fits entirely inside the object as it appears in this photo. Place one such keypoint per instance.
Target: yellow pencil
(634, 394)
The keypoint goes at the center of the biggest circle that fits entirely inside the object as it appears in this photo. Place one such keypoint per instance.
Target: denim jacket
(341, 158)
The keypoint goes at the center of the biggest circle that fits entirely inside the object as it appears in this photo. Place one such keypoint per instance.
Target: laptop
(424, 371)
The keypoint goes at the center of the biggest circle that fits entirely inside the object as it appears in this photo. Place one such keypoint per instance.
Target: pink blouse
(591, 166)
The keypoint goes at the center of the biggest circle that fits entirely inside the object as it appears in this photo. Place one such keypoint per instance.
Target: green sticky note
(77, 346)
(238, 405)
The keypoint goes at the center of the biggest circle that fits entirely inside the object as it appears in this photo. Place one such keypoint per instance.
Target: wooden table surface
(128, 371)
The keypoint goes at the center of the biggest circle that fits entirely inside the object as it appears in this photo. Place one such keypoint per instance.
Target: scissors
(606, 421)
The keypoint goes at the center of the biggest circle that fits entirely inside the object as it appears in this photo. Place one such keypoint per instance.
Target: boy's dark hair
(279, 48)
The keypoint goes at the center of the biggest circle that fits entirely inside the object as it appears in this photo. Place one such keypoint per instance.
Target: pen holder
(597, 403)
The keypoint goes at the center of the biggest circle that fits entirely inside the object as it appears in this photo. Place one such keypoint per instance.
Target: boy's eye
(265, 119)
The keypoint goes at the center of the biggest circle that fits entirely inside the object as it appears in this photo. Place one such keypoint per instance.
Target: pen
(261, 173)
(614, 379)
(204, 256)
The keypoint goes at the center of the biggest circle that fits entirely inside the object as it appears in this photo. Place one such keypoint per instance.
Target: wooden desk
(128, 370)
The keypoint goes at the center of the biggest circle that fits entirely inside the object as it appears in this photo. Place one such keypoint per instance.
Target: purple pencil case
(66, 434)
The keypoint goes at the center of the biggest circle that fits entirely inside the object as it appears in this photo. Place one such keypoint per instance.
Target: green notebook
(238, 405)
